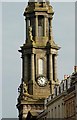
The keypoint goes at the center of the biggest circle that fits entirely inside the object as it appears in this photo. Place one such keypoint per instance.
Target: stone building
(63, 102)
(41, 96)
(70, 99)
(54, 108)
(39, 56)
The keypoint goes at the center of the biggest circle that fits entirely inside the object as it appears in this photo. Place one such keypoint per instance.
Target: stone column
(50, 67)
(55, 67)
(32, 68)
(22, 67)
(27, 26)
(25, 66)
(50, 22)
(50, 73)
(50, 29)
(76, 98)
(36, 25)
(44, 25)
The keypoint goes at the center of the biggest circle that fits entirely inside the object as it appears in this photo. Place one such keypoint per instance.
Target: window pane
(40, 66)
(40, 25)
(40, 31)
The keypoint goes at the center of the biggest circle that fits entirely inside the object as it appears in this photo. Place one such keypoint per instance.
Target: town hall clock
(39, 56)
(42, 81)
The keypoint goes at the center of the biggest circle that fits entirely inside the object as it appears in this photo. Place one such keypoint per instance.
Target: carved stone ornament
(30, 34)
(25, 88)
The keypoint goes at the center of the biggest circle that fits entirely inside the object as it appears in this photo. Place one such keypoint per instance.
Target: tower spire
(39, 53)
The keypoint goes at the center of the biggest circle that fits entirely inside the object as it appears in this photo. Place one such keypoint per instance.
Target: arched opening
(40, 66)
(40, 26)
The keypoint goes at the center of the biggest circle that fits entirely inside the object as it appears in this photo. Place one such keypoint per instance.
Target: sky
(13, 36)
(76, 33)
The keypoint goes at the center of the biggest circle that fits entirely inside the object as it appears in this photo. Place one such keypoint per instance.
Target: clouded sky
(13, 33)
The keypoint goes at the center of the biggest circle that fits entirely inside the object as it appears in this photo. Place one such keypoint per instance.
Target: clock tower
(39, 55)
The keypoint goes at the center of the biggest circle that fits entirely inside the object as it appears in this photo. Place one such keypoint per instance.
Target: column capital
(56, 55)
(36, 15)
(45, 16)
(27, 17)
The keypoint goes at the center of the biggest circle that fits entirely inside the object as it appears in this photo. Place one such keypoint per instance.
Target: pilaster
(50, 68)
(25, 70)
(36, 25)
(27, 24)
(45, 25)
(32, 68)
(55, 67)
(50, 30)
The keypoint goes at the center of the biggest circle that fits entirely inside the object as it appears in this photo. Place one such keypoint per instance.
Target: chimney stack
(75, 69)
(66, 76)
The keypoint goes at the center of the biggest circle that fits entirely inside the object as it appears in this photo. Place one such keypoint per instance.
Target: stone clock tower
(39, 53)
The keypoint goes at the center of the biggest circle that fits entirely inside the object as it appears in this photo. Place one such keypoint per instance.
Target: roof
(33, 114)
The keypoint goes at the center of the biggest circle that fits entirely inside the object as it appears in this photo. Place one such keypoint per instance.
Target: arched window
(40, 26)
(40, 66)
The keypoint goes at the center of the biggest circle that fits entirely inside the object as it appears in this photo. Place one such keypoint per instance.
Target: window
(52, 113)
(40, 31)
(40, 26)
(55, 112)
(40, 66)
(58, 111)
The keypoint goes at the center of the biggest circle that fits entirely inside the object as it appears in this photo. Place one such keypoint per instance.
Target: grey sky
(76, 33)
(0, 59)
(13, 31)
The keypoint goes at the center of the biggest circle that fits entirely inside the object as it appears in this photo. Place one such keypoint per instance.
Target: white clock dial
(42, 81)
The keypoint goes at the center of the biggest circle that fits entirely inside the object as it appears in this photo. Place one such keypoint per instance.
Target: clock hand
(41, 81)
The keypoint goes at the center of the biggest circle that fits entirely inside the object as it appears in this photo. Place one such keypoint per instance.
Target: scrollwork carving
(30, 34)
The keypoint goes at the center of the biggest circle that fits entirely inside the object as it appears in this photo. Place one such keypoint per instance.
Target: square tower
(39, 56)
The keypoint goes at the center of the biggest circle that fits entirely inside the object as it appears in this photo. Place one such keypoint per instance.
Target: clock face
(42, 81)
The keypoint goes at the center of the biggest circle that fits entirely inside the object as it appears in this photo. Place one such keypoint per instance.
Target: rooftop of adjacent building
(66, 85)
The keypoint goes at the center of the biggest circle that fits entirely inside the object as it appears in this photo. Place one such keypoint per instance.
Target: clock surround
(42, 81)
